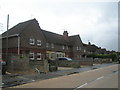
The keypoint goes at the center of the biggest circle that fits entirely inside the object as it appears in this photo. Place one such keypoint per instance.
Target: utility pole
(1, 26)
(7, 36)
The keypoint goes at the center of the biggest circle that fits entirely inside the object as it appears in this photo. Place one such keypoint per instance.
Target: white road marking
(87, 83)
(100, 78)
(82, 85)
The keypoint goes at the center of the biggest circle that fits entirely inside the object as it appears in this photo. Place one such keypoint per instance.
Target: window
(67, 47)
(52, 45)
(60, 55)
(77, 48)
(84, 50)
(31, 56)
(32, 41)
(39, 56)
(63, 47)
(57, 55)
(63, 55)
(47, 44)
(39, 42)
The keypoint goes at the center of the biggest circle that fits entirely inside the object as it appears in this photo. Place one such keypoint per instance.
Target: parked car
(64, 58)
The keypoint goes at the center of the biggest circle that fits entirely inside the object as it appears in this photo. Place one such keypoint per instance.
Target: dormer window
(32, 41)
(52, 45)
(39, 42)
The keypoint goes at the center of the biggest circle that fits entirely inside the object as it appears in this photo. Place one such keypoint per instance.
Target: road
(106, 77)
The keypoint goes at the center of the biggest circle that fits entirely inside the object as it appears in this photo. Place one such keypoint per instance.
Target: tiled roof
(53, 37)
(18, 28)
(50, 36)
(72, 39)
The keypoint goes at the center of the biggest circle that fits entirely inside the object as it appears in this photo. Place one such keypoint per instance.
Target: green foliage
(23, 57)
(103, 56)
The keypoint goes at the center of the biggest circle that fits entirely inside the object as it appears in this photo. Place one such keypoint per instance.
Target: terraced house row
(28, 38)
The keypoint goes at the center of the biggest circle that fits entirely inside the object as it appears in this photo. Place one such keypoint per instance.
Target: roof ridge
(51, 32)
(74, 35)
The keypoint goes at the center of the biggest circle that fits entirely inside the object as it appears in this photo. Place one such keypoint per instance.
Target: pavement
(105, 77)
(14, 80)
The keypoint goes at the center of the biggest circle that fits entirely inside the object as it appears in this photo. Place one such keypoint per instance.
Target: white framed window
(77, 48)
(63, 55)
(63, 47)
(67, 47)
(57, 55)
(84, 50)
(52, 45)
(47, 45)
(39, 42)
(32, 41)
(39, 56)
(31, 55)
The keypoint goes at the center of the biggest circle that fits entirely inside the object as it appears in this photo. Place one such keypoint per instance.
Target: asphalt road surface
(106, 77)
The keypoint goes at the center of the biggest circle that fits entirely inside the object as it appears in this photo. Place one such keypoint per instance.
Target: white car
(64, 58)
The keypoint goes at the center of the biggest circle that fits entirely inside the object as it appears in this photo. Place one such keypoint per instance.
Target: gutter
(14, 35)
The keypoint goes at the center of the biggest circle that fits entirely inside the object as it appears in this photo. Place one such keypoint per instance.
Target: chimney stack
(89, 43)
(65, 35)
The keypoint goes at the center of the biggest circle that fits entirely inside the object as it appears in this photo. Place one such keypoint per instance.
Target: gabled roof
(49, 36)
(72, 39)
(53, 37)
(59, 39)
(18, 28)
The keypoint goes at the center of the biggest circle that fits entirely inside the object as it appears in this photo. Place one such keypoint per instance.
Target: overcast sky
(94, 21)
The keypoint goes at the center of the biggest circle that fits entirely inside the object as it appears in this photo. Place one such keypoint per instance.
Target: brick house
(28, 38)
(93, 49)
